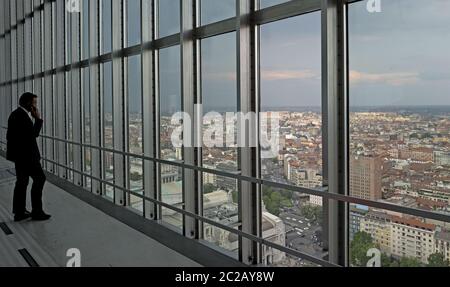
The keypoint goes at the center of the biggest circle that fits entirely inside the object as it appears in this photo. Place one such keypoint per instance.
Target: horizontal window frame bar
(322, 192)
(286, 10)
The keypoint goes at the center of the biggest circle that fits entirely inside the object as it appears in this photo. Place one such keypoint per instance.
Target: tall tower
(365, 177)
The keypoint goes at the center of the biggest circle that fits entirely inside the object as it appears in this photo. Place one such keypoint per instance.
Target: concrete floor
(103, 241)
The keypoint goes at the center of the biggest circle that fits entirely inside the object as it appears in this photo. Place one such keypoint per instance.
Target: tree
(386, 261)
(361, 243)
(437, 260)
(275, 199)
(135, 176)
(313, 213)
(234, 195)
(209, 188)
(409, 262)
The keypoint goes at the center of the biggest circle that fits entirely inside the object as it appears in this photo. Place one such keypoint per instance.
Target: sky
(397, 57)
(400, 56)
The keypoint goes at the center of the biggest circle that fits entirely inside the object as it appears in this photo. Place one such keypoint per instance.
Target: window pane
(398, 240)
(172, 193)
(171, 177)
(290, 64)
(169, 99)
(169, 17)
(134, 22)
(108, 132)
(218, 73)
(85, 29)
(106, 25)
(216, 10)
(399, 119)
(221, 205)
(218, 98)
(87, 124)
(135, 130)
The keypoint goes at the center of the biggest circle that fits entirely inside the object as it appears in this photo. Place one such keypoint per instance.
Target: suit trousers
(25, 170)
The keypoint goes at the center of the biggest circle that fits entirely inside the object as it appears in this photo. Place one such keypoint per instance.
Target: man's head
(28, 101)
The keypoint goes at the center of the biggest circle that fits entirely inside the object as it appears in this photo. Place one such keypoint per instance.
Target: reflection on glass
(216, 10)
(399, 119)
(169, 17)
(290, 64)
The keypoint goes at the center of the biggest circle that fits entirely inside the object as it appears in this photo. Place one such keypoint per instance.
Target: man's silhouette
(24, 126)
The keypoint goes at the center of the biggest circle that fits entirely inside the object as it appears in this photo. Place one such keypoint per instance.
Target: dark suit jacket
(21, 137)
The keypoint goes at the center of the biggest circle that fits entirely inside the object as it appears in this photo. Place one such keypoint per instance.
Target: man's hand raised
(35, 113)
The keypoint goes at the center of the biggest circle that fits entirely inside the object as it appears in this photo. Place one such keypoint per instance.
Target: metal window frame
(248, 158)
(334, 105)
(148, 105)
(191, 193)
(48, 77)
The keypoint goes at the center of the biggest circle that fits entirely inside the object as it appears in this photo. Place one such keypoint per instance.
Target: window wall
(170, 103)
(135, 124)
(399, 114)
(350, 111)
(291, 100)
(219, 98)
(108, 129)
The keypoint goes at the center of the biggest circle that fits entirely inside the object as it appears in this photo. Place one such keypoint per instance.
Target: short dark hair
(26, 99)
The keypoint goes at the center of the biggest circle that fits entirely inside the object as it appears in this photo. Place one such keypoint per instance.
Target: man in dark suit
(24, 126)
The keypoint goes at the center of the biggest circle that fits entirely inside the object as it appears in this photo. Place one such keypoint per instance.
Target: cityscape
(400, 157)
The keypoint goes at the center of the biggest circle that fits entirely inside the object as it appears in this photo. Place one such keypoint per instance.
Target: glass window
(133, 22)
(399, 117)
(108, 129)
(85, 29)
(135, 169)
(86, 124)
(216, 10)
(106, 26)
(168, 17)
(69, 124)
(219, 97)
(171, 177)
(291, 118)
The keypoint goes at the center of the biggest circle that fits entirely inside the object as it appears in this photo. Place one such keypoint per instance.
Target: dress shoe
(22, 216)
(41, 216)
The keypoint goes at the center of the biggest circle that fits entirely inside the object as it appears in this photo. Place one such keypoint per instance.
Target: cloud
(268, 75)
(394, 79)
(219, 76)
(273, 75)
